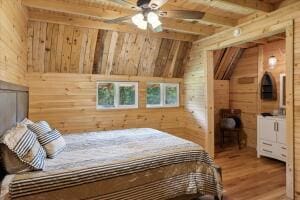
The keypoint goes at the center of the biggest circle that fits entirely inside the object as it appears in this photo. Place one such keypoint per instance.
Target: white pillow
(51, 140)
(25, 121)
(25, 145)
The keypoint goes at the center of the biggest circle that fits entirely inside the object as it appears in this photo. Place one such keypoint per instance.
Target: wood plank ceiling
(71, 35)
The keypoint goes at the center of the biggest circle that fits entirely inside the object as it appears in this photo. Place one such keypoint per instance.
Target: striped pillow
(39, 128)
(52, 142)
(25, 145)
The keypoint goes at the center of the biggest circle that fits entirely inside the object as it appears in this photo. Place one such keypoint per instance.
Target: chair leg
(221, 138)
(238, 138)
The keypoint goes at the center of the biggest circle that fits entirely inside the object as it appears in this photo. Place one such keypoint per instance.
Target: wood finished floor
(245, 177)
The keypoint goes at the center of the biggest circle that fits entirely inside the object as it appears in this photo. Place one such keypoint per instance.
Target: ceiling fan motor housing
(144, 4)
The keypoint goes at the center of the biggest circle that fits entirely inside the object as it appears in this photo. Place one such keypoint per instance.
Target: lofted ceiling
(219, 15)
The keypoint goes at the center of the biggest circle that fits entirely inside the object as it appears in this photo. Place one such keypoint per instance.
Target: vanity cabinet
(271, 137)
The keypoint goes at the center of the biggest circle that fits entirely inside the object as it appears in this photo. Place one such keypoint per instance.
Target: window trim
(117, 105)
(163, 95)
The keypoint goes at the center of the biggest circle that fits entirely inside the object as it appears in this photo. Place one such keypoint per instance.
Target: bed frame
(13, 108)
(13, 105)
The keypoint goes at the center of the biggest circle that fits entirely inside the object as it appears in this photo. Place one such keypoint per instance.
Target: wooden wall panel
(13, 40)
(68, 102)
(70, 49)
(60, 48)
(221, 97)
(277, 49)
(244, 96)
(195, 88)
(133, 54)
(297, 106)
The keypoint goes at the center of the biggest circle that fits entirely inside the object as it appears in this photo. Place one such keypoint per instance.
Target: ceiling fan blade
(125, 3)
(118, 20)
(182, 14)
(155, 4)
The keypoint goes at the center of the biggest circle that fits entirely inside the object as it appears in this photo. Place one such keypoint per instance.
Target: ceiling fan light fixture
(138, 19)
(143, 25)
(153, 19)
(158, 29)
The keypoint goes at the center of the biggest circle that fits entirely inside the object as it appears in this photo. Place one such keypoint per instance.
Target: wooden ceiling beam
(243, 7)
(60, 18)
(73, 8)
(254, 5)
(101, 13)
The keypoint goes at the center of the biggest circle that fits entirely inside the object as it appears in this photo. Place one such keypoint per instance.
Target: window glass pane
(127, 95)
(153, 94)
(171, 95)
(106, 92)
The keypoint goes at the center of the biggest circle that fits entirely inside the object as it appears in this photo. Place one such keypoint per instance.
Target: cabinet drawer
(267, 147)
(282, 151)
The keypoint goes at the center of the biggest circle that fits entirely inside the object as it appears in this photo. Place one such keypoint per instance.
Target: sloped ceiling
(225, 61)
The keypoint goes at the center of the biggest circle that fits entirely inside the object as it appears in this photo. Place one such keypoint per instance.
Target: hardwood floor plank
(246, 177)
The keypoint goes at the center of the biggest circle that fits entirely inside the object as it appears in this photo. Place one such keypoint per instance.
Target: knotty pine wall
(243, 95)
(60, 48)
(221, 101)
(13, 40)
(68, 103)
(70, 49)
(297, 105)
(195, 87)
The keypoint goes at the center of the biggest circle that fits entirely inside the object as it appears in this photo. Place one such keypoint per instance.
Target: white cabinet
(271, 137)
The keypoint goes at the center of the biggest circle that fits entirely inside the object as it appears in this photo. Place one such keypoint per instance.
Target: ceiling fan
(149, 13)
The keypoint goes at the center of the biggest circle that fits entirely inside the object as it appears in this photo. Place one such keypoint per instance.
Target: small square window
(106, 95)
(162, 95)
(112, 95)
(171, 95)
(154, 96)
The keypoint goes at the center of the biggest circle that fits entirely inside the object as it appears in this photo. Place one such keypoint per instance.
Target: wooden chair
(230, 113)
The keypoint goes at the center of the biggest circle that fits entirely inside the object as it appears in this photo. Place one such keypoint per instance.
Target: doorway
(289, 103)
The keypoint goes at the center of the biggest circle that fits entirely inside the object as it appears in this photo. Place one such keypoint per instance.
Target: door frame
(288, 28)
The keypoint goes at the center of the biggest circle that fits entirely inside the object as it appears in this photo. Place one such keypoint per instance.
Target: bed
(125, 164)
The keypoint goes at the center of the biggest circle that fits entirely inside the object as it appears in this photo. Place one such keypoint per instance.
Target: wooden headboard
(13, 105)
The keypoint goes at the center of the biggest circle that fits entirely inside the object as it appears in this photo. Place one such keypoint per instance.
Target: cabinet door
(281, 136)
(267, 129)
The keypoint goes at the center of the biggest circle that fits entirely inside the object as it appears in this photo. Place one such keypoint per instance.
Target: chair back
(230, 113)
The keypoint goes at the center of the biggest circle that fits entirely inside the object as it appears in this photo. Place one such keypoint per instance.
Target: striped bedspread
(124, 164)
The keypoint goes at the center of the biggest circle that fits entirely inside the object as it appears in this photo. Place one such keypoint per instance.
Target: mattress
(122, 164)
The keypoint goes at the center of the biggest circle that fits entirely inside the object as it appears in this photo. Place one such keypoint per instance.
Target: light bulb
(143, 25)
(272, 62)
(152, 17)
(137, 19)
(155, 24)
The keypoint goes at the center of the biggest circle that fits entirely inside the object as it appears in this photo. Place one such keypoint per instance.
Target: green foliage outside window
(127, 95)
(153, 94)
(171, 95)
(106, 94)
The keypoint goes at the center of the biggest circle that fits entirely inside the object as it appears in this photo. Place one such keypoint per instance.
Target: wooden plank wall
(221, 97)
(297, 105)
(60, 48)
(277, 49)
(139, 55)
(195, 88)
(68, 102)
(244, 95)
(13, 51)
(70, 49)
